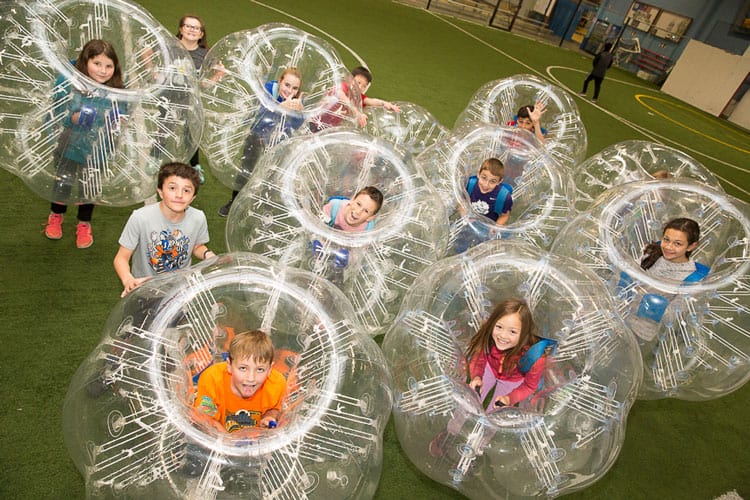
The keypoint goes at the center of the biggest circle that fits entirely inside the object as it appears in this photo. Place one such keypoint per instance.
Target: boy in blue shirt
(489, 196)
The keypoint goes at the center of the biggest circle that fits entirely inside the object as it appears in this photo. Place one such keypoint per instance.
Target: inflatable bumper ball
(414, 129)
(128, 416)
(693, 334)
(561, 438)
(279, 214)
(244, 113)
(541, 189)
(630, 161)
(111, 155)
(498, 102)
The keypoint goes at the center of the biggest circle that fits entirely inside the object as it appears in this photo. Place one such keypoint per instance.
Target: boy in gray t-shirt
(162, 237)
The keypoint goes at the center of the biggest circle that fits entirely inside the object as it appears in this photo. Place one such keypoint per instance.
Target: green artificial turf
(54, 299)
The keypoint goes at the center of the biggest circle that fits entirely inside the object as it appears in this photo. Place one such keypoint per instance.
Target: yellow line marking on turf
(653, 135)
(641, 97)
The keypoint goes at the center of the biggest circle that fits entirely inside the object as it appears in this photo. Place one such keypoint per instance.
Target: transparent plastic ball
(279, 214)
(541, 188)
(630, 161)
(74, 140)
(128, 417)
(413, 128)
(694, 334)
(498, 102)
(562, 437)
(244, 113)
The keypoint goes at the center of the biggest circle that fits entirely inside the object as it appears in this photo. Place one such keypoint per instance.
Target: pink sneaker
(84, 238)
(437, 445)
(53, 230)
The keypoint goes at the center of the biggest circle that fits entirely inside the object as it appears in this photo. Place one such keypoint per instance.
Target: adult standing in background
(602, 62)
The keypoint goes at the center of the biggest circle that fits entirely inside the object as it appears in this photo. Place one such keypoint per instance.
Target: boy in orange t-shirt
(244, 391)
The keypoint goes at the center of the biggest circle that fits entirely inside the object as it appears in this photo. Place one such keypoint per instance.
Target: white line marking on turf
(650, 134)
(654, 136)
(641, 130)
(487, 44)
(360, 61)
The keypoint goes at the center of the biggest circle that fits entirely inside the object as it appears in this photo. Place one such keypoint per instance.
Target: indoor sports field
(55, 298)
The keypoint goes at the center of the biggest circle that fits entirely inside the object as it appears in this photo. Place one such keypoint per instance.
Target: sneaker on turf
(437, 445)
(224, 211)
(84, 238)
(53, 230)
(199, 169)
(340, 258)
(317, 248)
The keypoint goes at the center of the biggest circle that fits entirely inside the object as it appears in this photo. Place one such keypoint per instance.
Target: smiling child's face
(361, 210)
(248, 375)
(487, 181)
(675, 246)
(100, 68)
(507, 331)
(362, 83)
(289, 86)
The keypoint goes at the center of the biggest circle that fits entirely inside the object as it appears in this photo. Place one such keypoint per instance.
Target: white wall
(707, 78)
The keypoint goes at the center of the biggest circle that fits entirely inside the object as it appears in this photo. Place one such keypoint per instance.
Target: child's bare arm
(503, 219)
(535, 117)
(374, 102)
(219, 72)
(202, 252)
(122, 268)
(269, 416)
(505, 400)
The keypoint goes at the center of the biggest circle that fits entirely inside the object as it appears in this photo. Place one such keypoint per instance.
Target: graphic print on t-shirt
(241, 419)
(168, 250)
(480, 207)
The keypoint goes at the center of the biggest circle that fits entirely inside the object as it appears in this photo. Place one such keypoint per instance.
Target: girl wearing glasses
(192, 36)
